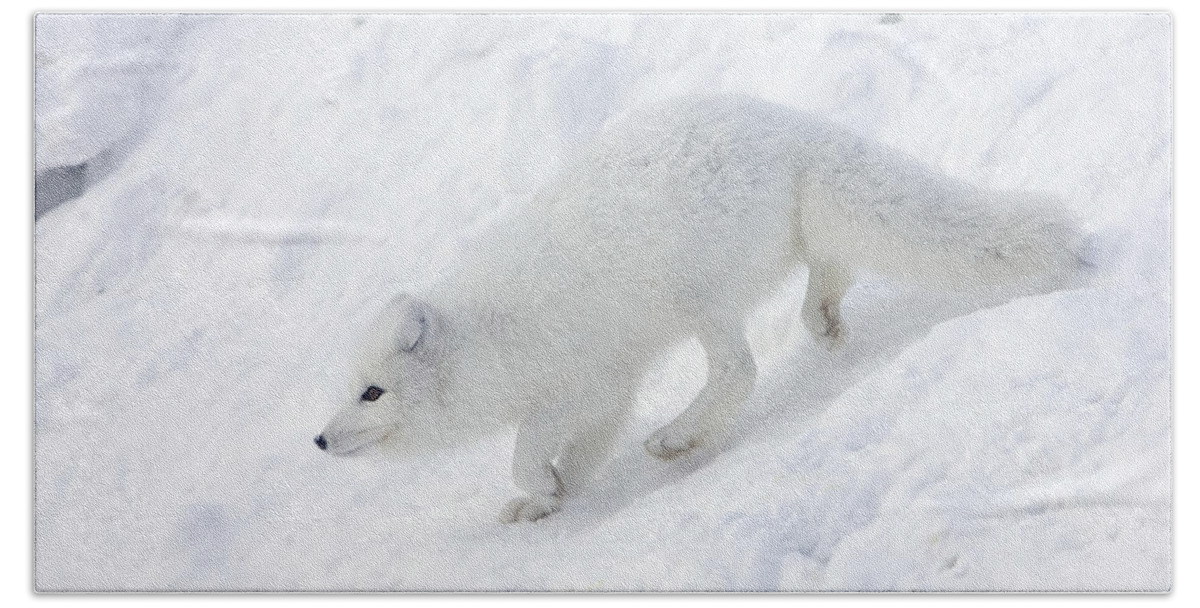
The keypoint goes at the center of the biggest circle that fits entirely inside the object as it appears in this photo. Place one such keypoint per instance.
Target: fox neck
(473, 383)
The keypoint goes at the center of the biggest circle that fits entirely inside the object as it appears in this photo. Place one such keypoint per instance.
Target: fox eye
(372, 393)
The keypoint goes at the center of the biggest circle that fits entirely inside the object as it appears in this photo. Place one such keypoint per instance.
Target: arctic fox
(674, 223)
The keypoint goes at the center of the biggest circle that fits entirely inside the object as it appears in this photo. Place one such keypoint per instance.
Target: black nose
(320, 441)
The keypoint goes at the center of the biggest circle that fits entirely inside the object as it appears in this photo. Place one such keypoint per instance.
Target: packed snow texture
(197, 309)
(98, 86)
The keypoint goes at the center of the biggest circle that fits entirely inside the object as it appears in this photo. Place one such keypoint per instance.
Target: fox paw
(671, 442)
(529, 508)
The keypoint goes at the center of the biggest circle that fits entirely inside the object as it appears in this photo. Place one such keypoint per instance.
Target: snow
(87, 96)
(100, 81)
(196, 309)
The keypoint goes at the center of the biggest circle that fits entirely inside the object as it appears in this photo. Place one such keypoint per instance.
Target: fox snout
(320, 441)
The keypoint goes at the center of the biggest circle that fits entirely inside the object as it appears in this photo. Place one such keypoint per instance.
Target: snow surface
(196, 311)
(99, 79)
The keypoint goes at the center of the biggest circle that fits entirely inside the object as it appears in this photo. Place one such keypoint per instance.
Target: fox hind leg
(731, 375)
(822, 312)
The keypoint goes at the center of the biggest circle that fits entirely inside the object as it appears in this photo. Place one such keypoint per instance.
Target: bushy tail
(905, 222)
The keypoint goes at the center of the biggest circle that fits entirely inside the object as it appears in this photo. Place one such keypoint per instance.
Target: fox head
(395, 393)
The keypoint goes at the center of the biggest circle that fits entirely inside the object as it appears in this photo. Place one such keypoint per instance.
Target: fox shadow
(792, 390)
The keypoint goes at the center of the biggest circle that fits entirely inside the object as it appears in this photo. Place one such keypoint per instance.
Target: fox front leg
(535, 473)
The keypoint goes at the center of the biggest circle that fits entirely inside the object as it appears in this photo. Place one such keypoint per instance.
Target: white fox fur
(675, 223)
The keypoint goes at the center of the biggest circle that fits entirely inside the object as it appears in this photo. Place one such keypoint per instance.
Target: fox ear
(413, 325)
